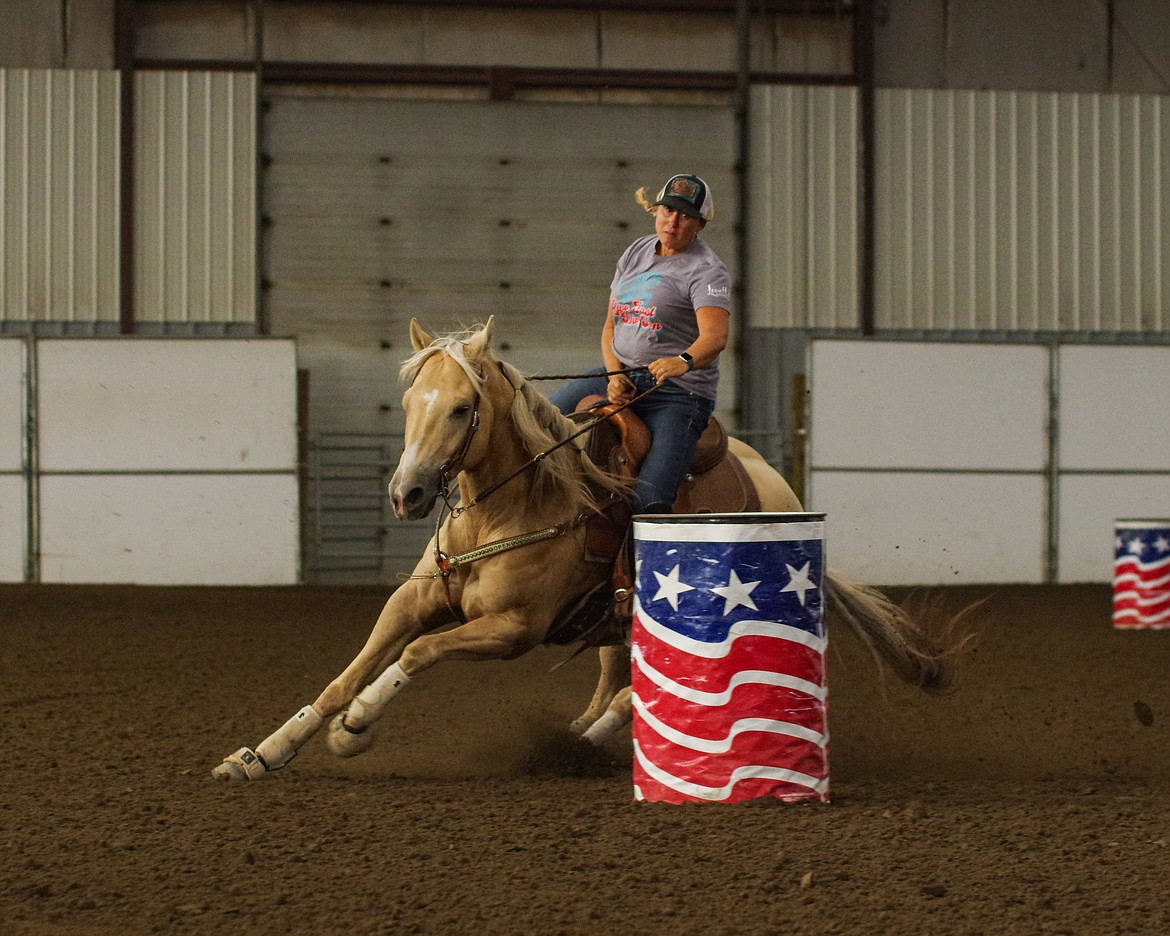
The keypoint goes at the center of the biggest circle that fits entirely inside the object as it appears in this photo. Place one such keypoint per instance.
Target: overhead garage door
(379, 210)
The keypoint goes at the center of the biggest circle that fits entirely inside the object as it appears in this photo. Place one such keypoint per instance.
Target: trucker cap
(688, 194)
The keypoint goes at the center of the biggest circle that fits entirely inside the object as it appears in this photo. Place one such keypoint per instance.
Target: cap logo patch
(684, 187)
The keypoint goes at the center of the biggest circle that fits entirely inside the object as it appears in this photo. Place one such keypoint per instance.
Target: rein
(492, 488)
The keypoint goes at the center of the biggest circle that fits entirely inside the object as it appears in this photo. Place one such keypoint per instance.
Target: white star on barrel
(736, 593)
(669, 587)
(798, 581)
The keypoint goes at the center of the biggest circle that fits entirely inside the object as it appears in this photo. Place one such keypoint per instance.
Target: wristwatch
(688, 361)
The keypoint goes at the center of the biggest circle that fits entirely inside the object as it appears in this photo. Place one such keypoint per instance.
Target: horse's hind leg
(615, 673)
(349, 733)
(619, 714)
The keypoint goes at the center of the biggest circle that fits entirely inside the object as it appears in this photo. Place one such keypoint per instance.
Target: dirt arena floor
(1035, 799)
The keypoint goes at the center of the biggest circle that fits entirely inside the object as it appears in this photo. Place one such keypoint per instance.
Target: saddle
(716, 482)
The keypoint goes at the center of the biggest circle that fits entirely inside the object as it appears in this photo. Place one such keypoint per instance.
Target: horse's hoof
(226, 771)
(242, 765)
(580, 726)
(345, 743)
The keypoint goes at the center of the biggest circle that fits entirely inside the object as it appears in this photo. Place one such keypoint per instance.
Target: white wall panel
(170, 529)
(803, 215)
(133, 405)
(195, 205)
(59, 169)
(1115, 409)
(913, 529)
(928, 405)
(1089, 507)
(11, 404)
(13, 527)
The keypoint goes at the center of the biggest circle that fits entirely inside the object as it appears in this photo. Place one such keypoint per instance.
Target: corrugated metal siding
(59, 166)
(803, 211)
(1022, 211)
(195, 197)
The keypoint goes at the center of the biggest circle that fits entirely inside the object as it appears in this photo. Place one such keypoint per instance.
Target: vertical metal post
(124, 63)
(863, 51)
(1052, 524)
(263, 325)
(742, 166)
(31, 461)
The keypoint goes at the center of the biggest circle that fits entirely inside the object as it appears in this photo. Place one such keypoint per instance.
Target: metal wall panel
(1091, 505)
(931, 459)
(1114, 408)
(166, 461)
(1022, 211)
(166, 405)
(195, 197)
(59, 166)
(928, 406)
(901, 528)
(803, 212)
(180, 529)
(948, 462)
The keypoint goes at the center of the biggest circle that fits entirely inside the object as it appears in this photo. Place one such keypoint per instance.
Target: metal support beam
(743, 87)
(863, 46)
(124, 62)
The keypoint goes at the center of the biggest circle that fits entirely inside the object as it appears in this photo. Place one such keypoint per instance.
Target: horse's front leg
(408, 612)
(488, 637)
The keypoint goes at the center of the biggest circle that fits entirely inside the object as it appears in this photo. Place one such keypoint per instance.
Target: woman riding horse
(523, 481)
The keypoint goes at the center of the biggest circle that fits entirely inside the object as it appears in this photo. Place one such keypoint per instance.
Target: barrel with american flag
(728, 658)
(1141, 574)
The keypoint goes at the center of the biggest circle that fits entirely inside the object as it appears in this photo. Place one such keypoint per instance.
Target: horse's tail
(893, 635)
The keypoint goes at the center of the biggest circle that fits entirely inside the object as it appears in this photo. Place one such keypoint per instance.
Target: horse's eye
(460, 411)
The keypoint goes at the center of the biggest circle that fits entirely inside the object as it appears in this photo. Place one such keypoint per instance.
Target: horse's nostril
(413, 497)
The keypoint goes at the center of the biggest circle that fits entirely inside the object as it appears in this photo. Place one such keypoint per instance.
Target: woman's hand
(667, 367)
(619, 390)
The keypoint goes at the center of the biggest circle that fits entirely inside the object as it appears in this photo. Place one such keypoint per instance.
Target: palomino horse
(471, 415)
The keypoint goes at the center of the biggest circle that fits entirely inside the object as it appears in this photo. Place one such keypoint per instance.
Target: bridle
(453, 465)
(445, 563)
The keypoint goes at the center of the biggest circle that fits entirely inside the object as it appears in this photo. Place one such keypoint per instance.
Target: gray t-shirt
(653, 301)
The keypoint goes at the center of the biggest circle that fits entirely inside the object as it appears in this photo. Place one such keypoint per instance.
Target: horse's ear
(418, 336)
(482, 341)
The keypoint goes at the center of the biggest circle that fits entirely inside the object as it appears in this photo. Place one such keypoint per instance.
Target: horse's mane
(539, 424)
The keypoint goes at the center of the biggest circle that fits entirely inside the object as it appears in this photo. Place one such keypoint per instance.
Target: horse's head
(447, 418)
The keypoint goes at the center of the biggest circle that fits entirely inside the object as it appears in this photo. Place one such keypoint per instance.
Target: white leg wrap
(281, 746)
(365, 709)
(242, 765)
(601, 729)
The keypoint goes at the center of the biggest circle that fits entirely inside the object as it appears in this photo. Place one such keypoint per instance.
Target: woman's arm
(620, 390)
(713, 327)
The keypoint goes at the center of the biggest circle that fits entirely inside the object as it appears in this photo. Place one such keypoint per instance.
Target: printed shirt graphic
(1141, 574)
(728, 667)
(653, 301)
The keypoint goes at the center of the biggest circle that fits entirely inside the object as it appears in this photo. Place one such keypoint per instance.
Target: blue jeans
(675, 417)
